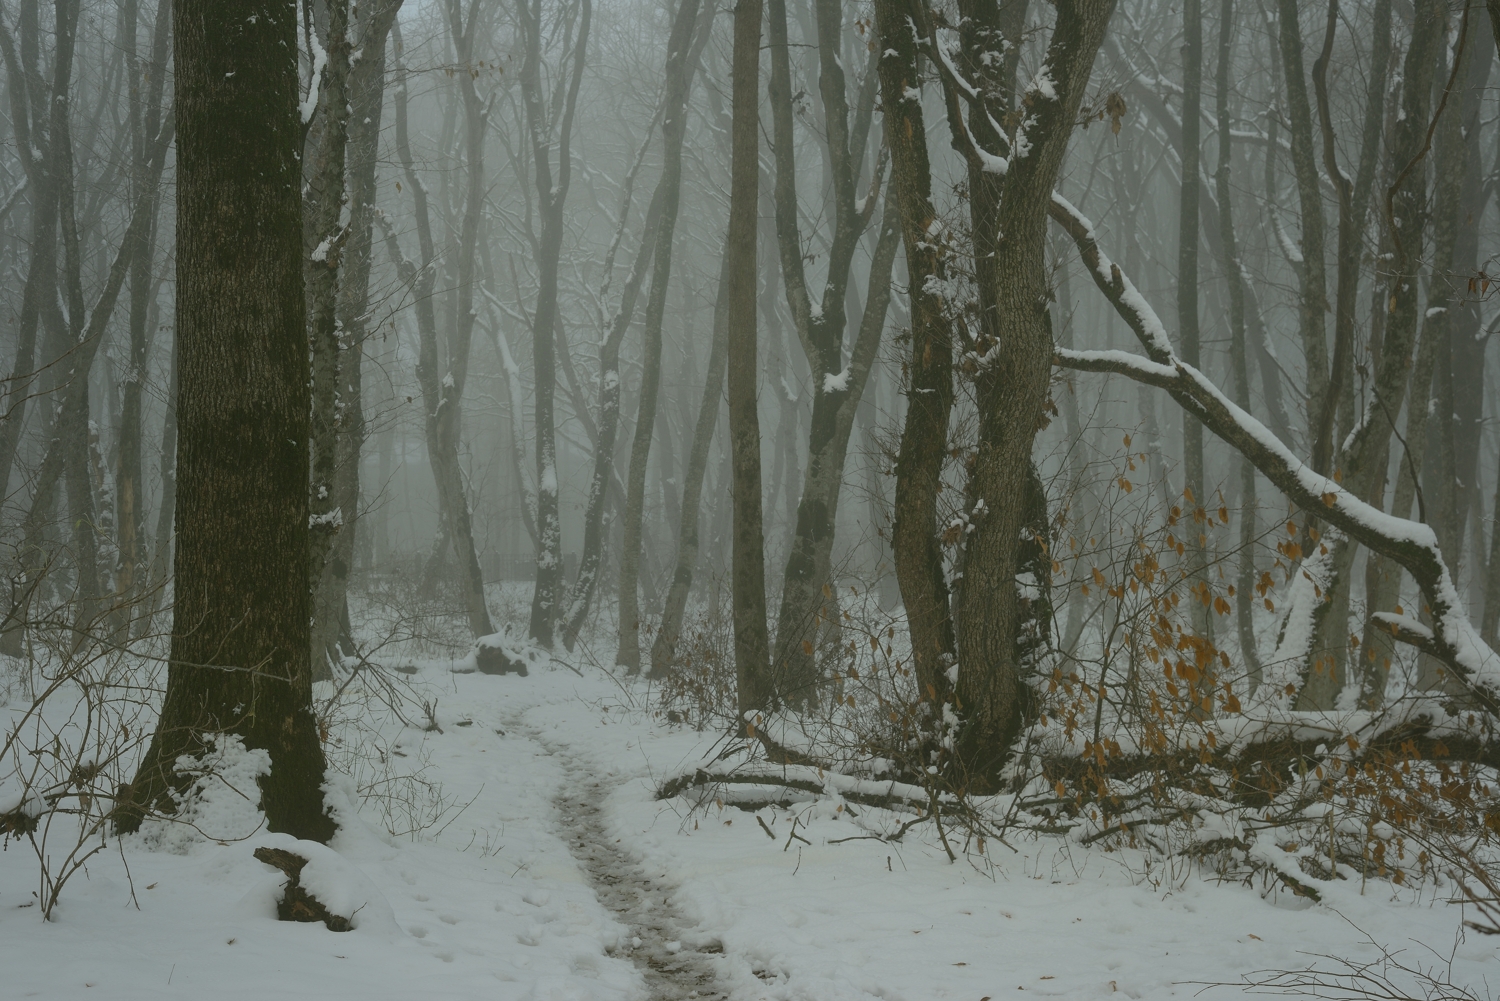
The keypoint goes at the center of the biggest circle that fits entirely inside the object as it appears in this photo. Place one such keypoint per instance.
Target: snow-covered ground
(492, 901)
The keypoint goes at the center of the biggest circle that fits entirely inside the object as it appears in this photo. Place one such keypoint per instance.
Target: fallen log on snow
(296, 903)
(774, 783)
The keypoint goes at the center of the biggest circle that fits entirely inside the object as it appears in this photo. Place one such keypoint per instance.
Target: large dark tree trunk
(1001, 623)
(240, 625)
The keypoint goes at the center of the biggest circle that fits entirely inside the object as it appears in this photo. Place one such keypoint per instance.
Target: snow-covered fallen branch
(819, 782)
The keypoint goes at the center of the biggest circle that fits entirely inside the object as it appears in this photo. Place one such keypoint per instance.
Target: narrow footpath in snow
(672, 970)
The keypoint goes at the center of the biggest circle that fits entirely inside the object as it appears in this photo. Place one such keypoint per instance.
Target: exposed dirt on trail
(673, 971)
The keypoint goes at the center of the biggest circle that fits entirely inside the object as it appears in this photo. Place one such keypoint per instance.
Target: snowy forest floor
(547, 869)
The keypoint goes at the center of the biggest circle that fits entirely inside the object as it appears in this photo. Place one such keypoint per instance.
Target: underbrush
(1145, 739)
(81, 699)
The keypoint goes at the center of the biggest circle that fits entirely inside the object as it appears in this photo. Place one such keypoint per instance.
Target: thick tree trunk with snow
(240, 625)
(1004, 517)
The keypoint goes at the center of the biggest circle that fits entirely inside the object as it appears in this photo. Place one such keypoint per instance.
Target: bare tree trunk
(664, 649)
(36, 117)
(552, 194)
(1235, 276)
(837, 384)
(608, 430)
(40, 120)
(1187, 320)
(145, 121)
(1328, 654)
(1313, 303)
(442, 395)
(674, 122)
(1405, 215)
(1468, 340)
(240, 625)
(751, 644)
(323, 242)
(66, 454)
(161, 556)
(924, 436)
(366, 92)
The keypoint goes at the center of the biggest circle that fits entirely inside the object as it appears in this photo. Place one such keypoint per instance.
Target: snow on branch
(1410, 544)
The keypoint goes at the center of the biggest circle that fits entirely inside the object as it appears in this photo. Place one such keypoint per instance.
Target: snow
(1044, 86)
(836, 383)
(1290, 249)
(492, 902)
(320, 62)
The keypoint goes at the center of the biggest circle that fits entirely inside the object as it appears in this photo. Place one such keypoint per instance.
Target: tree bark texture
(238, 659)
(323, 242)
(929, 367)
(1002, 620)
